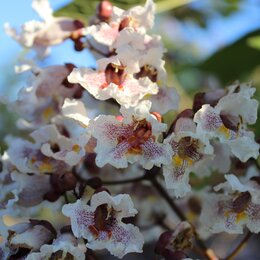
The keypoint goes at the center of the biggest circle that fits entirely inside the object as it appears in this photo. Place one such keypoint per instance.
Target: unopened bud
(104, 10)
(94, 183)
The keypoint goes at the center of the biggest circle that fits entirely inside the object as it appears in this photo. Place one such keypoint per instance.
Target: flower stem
(208, 253)
(123, 181)
(168, 199)
(239, 247)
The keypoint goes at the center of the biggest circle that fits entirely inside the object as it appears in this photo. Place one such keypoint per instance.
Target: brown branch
(123, 181)
(239, 247)
(208, 253)
(168, 199)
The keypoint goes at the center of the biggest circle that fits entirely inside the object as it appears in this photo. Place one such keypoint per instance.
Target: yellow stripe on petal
(189, 161)
(241, 216)
(48, 113)
(76, 148)
(45, 167)
(224, 131)
(177, 161)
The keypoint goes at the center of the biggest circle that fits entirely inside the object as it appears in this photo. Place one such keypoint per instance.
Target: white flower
(227, 121)
(188, 150)
(230, 212)
(125, 27)
(65, 246)
(101, 223)
(60, 147)
(38, 103)
(115, 83)
(41, 35)
(132, 139)
(28, 158)
(31, 235)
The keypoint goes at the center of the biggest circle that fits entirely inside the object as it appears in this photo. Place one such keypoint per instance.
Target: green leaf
(83, 9)
(233, 62)
(254, 42)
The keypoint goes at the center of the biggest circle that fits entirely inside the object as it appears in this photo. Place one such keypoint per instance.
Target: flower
(28, 158)
(41, 35)
(59, 147)
(227, 121)
(237, 207)
(132, 139)
(113, 82)
(101, 223)
(64, 247)
(123, 26)
(188, 150)
(41, 101)
(30, 236)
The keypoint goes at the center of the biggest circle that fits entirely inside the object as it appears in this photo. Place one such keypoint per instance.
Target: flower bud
(104, 10)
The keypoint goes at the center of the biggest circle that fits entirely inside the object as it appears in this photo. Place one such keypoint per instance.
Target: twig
(239, 247)
(169, 200)
(208, 253)
(124, 181)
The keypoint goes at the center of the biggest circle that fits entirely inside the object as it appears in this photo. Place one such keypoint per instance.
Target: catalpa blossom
(236, 208)
(115, 83)
(46, 92)
(28, 158)
(227, 121)
(39, 35)
(66, 246)
(60, 147)
(101, 223)
(28, 237)
(188, 150)
(130, 138)
(135, 21)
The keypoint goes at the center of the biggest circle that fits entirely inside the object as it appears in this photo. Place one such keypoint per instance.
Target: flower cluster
(53, 177)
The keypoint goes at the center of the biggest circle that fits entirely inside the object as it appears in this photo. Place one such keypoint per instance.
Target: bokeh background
(210, 44)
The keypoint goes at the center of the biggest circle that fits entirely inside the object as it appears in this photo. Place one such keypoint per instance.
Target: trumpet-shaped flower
(40, 35)
(60, 147)
(65, 246)
(101, 223)
(237, 207)
(130, 139)
(115, 83)
(124, 27)
(227, 121)
(188, 150)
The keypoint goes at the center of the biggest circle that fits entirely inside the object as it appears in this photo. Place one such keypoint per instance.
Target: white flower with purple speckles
(101, 223)
(227, 121)
(236, 208)
(188, 151)
(130, 139)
